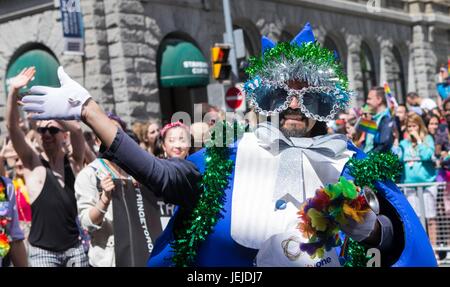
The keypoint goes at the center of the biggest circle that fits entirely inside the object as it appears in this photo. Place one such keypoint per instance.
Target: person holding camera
(417, 154)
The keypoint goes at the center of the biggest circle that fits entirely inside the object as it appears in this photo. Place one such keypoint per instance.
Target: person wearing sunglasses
(301, 86)
(49, 176)
(51, 130)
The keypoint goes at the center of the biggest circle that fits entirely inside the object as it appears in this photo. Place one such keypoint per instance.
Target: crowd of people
(419, 134)
(54, 163)
(55, 167)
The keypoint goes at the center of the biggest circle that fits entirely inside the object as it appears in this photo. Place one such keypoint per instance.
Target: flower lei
(321, 215)
(4, 220)
(208, 209)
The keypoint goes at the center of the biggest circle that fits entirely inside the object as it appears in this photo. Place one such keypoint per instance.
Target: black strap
(69, 177)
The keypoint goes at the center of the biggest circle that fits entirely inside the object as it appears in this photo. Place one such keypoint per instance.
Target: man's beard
(294, 131)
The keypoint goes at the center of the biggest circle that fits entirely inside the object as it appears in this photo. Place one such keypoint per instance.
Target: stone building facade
(402, 42)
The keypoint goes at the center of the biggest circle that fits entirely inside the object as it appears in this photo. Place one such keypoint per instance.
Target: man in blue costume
(300, 86)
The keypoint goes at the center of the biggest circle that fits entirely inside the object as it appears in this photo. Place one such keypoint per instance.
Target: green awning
(183, 65)
(46, 68)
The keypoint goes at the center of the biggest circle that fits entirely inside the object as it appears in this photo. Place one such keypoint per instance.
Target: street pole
(229, 38)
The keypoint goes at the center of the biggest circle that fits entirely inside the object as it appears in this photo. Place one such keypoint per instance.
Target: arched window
(397, 81)
(367, 68)
(331, 45)
(42, 59)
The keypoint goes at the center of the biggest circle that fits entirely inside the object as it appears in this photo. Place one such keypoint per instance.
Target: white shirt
(101, 247)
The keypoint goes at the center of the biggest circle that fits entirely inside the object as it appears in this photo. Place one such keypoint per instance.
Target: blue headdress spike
(336, 55)
(267, 44)
(305, 36)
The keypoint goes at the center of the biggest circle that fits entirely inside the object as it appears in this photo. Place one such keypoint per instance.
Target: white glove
(57, 103)
(360, 231)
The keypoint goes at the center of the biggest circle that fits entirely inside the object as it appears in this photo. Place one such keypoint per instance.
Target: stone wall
(43, 28)
(132, 55)
(122, 39)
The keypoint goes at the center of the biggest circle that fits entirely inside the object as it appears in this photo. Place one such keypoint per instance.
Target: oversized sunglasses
(318, 103)
(51, 130)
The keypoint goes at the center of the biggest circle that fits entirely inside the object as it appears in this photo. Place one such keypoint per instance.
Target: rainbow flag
(392, 102)
(367, 126)
(448, 66)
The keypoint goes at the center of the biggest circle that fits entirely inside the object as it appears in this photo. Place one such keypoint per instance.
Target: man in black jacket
(383, 139)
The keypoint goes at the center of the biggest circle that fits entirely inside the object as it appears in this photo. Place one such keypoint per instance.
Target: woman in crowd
(149, 137)
(22, 198)
(440, 135)
(175, 138)
(400, 121)
(417, 154)
(93, 190)
(175, 143)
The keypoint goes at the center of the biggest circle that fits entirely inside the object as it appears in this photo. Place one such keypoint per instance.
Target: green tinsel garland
(356, 254)
(311, 52)
(376, 166)
(209, 206)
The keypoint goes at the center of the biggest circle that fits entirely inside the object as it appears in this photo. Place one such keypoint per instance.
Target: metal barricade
(431, 201)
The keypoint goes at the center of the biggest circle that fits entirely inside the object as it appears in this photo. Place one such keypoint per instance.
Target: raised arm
(24, 150)
(176, 181)
(69, 102)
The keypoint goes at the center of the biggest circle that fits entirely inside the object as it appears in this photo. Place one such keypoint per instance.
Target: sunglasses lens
(269, 98)
(318, 103)
(53, 130)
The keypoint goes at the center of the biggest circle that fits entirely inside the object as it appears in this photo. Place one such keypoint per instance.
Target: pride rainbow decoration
(4, 239)
(367, 126)
(322, 215)
(4, 245)
(392, 102)
(387, 90)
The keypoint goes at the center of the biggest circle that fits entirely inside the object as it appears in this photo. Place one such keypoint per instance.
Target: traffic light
(221, 69)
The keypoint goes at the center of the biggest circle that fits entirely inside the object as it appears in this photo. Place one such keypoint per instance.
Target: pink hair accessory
(173, 125)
